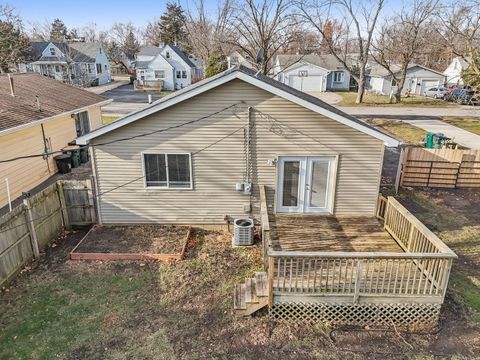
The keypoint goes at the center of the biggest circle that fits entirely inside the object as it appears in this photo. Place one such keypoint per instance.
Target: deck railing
(418, 275)
(264, 226)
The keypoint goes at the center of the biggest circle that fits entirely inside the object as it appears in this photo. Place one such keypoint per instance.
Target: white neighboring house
(237, 59)
(79, 63)
(166, 63)
(311, 73)
(419, 78)
(453, 72)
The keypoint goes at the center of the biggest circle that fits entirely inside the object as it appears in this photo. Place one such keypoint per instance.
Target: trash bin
(74, 151)
(63, 163)
(83, 154)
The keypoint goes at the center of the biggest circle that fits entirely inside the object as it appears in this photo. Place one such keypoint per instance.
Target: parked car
(436, 92)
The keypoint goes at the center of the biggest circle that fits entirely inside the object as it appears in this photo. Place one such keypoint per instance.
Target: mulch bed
(135, 242)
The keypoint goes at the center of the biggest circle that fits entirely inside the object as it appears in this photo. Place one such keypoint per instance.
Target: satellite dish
(261, 56)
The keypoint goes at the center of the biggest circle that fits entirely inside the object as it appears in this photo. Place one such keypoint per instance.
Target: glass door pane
(291, 174)
(319, 184)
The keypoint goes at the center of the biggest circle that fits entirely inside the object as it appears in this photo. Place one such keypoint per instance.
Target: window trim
(341, 74)
(143, 153)
(89, 122)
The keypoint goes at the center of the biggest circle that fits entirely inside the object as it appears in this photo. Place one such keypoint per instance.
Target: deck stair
(252, 295)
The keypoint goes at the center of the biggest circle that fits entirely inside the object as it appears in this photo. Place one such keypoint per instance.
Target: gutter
(54, 117)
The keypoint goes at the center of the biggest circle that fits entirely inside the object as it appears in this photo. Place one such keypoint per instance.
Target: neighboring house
(78, 63)
(198, 184)
(237, 59)
(167, 65)
(311, 73)
(419, 79)
(453, 72)
(39, 115)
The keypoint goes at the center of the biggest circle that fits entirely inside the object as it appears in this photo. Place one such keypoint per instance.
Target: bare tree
(461, 32)
(126, 36)
(39, 31)
(400, 39)
(265, 24)
(355, 26)
(207, 34)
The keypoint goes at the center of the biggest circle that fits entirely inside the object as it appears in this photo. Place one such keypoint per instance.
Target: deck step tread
(261, 283)
(239, 297)
(250, 292)
(253, 308)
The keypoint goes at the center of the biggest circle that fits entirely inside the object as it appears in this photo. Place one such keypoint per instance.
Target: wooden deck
(330, 233)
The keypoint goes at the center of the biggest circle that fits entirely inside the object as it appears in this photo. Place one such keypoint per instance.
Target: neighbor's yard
(348, 99)
(403, 131)
(64, 309)
(469, 124)
(107, 119)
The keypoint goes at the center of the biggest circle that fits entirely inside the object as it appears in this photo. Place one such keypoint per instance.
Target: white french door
(305, 184)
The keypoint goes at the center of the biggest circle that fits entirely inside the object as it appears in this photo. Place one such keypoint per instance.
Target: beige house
(192, 156)
(39, 116)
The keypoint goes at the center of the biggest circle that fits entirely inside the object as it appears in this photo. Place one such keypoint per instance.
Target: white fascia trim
(83, 140)
(50, 118)
(299, 63)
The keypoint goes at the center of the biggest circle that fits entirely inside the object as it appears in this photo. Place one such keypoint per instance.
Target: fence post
(358, 276)
(271, 268)
(401, 160)
(63, 205)
(91, 201)
(31, 229)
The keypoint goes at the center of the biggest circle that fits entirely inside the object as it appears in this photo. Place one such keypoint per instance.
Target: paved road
(110, 86)
(404, 113)
(460, 136)
(122, 108)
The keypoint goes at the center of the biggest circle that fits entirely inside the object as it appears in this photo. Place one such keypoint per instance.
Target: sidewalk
(410, 112)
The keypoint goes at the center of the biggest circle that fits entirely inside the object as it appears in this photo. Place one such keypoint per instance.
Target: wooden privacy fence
(445, 168)
(29, 228)
(418, 275)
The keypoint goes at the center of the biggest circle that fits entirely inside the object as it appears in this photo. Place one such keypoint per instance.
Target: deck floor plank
(331, 233)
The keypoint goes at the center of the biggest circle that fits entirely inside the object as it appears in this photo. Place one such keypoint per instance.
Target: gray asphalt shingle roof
(328, 62)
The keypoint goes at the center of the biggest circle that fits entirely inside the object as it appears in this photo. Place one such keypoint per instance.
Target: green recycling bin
(74, 151)
(83, 154)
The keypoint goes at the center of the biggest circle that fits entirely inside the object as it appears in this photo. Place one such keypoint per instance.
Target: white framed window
(52, 51)
(82, 123)
(99, 68)
(167, 55)
(90, 68)
(179, 74)
(159, 74)
(338, 76)
(184, 74)
(303, 73)
(57, 68)
(167, 170)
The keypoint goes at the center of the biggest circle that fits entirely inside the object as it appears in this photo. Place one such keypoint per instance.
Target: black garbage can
(63, 163)
(74, 151)
(83, 154)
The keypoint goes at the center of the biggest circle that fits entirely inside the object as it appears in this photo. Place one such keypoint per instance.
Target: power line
(129, 137)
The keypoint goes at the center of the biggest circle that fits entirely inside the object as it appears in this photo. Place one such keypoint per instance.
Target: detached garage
(419, 79)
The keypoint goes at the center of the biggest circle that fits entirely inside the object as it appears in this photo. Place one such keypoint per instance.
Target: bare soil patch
(141, 239)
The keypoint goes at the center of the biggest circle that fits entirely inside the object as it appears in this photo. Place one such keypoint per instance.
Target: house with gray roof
(167, 67)
(312, 72)
(79, 63)
(419, 79)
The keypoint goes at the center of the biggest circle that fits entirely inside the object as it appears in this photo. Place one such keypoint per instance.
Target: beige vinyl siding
(217, 168)
(25, 174)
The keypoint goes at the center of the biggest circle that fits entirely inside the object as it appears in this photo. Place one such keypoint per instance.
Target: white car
(436, 92)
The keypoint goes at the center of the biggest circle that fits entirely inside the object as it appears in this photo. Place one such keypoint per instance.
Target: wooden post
(358, 277)
(31, 229)
(91, 200)
(271, 267)
(61, 197)
(401, 161)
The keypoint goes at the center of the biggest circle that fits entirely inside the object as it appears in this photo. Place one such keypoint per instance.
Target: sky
(102, 12)
(76, 14)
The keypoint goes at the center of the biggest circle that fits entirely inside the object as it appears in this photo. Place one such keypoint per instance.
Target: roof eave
(50, 118)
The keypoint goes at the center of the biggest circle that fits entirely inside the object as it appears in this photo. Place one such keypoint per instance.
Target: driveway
(328, 97)
(127, 100)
